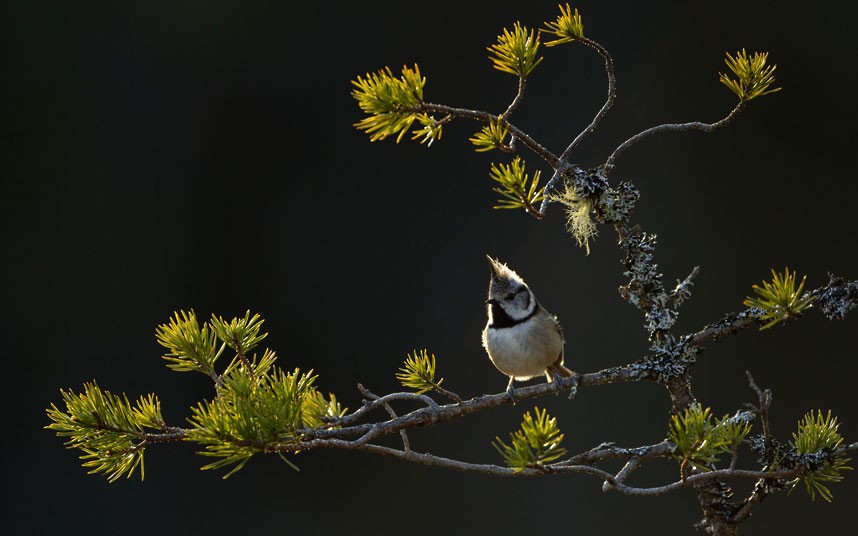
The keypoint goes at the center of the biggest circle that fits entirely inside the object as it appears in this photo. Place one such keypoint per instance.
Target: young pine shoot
(753, 76)
(418, 372)
(568, 27)
(781, 299)
(701, 440)
(516, 188)
(818, 434)
(515, 52)
(535, 443)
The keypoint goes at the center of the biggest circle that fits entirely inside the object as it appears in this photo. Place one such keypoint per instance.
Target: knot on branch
(838, 298)
(615, 205)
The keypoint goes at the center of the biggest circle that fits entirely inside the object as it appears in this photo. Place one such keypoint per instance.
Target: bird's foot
(510, 391)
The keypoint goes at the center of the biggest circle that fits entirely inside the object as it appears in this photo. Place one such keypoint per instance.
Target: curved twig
(406, 444)
(522, 84)
(378, 402)
(615, 483)
(612, 94)
(694, 125)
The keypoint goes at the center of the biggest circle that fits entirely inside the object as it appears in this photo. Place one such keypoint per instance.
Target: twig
(694, 125)
(449, 394)
(607, 451)
(736, 322)
(612, 481)
(757, 496)
(369, 406)
(701, 478)
(486, 117)
(627, 469)
(546, 190)
(761, 489)
(522, 83)
(168, 435)
(765, 401)
(729, 325)
(683, 288)
(243, 358)
(366, 392)
(612, 94)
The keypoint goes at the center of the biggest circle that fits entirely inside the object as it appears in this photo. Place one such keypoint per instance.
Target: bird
(522, 339)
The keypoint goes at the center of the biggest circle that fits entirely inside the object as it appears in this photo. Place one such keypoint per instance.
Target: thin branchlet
(522, 84)
(406, 444)
(612, 95)
(549, 157)
(672, 127)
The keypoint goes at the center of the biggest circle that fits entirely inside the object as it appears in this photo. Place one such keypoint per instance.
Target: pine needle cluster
(418, 372)
(818, 434)
(753, 77)
(257, 407)
(516, 187)
(535, 443)
(781, 299)
(701, 440)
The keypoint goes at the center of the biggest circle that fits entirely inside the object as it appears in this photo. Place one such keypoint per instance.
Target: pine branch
(614, 483)
(666, 368)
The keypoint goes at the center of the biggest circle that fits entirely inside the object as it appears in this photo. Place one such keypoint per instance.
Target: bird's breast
(524, 350)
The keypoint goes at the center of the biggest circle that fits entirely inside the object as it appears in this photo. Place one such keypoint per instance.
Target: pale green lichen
(579, 222)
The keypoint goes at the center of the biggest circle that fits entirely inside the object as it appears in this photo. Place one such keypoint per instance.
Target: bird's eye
(510, 297)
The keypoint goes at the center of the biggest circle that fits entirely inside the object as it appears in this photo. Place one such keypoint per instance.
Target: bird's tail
(558, 369)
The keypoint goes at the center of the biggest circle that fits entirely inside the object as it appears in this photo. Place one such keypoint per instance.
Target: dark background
(166, 155)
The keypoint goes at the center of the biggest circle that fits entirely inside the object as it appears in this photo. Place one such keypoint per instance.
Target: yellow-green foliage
(256, 408)
(536, 442)
(262, 409)
(107, 428)
(391, 104)
(516, 50)
(189, 346)
(753, 76)
(700, 440)
(780, 299)
(568, 27)
(515, 186)
(819, 434)
(418, 372)
(492, 136)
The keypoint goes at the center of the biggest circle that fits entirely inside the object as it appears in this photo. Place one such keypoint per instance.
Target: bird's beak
(491, 301)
